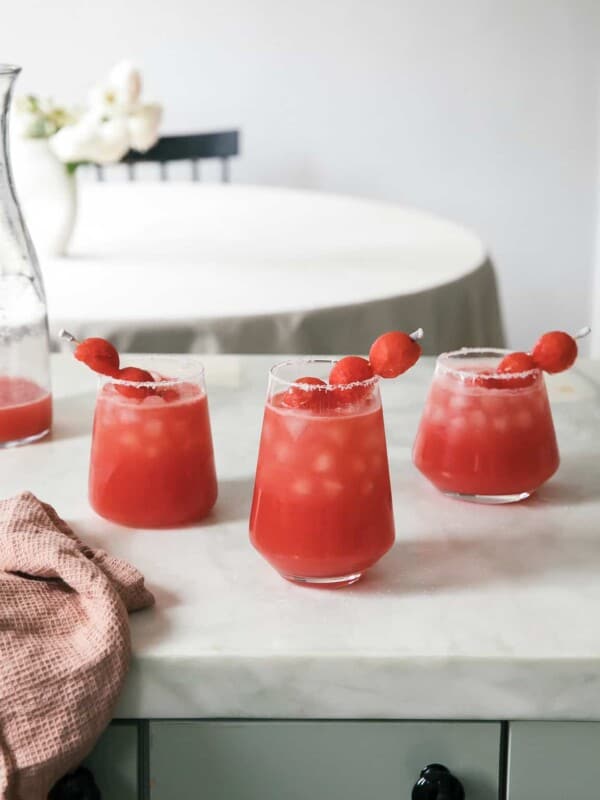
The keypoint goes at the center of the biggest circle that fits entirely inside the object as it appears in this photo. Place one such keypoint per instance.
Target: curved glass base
(489, 499)
(325, 583)
(26, 440)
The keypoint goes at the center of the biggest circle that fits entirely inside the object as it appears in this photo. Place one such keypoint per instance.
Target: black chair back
(193, 147)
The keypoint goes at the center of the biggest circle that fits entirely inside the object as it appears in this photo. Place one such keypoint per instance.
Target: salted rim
(195, 376)
(443, 358)
(309, 387)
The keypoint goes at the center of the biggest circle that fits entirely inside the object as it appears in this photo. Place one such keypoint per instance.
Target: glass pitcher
(25, 399)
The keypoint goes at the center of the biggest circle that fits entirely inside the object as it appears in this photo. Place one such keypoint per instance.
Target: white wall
(481, 110)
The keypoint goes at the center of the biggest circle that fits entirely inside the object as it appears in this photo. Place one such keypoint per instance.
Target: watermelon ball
(169, 395)
(515, 364)
(99, 355)
(555, 351)
(297, 397)
(485, 379)
(134, 375)
(393, 353)
(351, 369)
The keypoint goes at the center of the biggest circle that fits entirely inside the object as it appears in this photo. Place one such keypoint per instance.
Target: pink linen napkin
(64, 645)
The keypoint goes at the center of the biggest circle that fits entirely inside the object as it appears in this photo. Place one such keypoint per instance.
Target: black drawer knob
(437, 783)
(78, 785)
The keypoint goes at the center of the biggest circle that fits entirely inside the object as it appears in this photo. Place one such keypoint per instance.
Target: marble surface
(477, 612)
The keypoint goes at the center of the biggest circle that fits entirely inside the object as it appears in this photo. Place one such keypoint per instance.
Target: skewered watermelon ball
(393, 353)
(555, 351)
(99, 355)
(297, 397)
(348, 370)
(134, 375)
(515, 364)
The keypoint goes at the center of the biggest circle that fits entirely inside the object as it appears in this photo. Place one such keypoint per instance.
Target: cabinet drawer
(227, 760)
(554, 760)
(114, 762)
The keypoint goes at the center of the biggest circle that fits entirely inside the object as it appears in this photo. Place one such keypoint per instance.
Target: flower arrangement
(114, 121)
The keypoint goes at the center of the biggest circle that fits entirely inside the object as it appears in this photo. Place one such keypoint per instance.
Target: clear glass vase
(25, 399)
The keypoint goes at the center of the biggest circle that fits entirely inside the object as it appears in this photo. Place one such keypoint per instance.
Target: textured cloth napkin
(64, 645)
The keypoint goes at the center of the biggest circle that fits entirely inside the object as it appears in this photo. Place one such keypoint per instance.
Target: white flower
(116, 120)
(127, 81)
(102, 141)
(143, 126)
(120, 91)
(72, 142)
(38, 118)
(111, 142)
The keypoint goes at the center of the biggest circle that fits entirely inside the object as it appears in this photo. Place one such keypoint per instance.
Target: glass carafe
(25, 400)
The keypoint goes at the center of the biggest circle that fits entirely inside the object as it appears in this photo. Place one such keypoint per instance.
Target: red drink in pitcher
(322, 507)
(485, 436)
(152, 462)
(25, 411)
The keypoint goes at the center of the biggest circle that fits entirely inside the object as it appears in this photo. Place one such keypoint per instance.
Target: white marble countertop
(477, 612)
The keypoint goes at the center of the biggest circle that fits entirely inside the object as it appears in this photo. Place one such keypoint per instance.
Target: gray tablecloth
(212, 269)
(465, 312)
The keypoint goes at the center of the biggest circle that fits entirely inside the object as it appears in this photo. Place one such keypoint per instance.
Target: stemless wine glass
(322, 507)
(152, 462)
(484, 436)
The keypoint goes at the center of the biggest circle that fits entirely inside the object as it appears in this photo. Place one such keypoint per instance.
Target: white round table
(218, 268)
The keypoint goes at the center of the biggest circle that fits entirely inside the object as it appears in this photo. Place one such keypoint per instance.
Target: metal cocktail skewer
(581, 334)
(68, 337)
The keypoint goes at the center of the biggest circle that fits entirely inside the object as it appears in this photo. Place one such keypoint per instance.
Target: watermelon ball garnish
(516, 364)
(298, 397)
(99, 355)
(168, 392)
(134, 375)
(351, 370)
(169, 395)
(394, 353)
(555, 352)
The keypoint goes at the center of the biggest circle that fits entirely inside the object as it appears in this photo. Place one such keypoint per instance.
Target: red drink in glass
(322, 506)
(486, 437)
(152, 462)
(25, 411)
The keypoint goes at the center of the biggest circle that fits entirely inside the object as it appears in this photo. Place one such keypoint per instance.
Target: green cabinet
(114, 762)
(260, 760)
(554, 760)
(342, 760)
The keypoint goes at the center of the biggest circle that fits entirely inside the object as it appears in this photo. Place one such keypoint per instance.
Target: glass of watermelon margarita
(152, 462)
(322, 507)
(485, 436)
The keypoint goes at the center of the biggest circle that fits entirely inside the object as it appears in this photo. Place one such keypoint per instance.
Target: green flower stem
(72, 166)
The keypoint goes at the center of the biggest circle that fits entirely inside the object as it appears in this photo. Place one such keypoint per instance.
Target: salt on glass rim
(310, 387)
(447, 368)
(192, 368)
